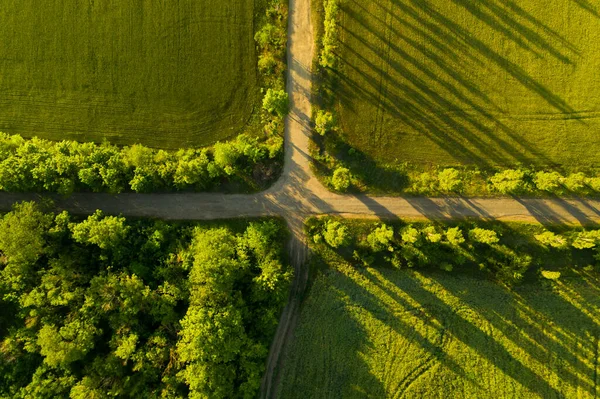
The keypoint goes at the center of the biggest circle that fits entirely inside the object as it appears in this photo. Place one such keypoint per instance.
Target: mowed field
(383, 333)
(489, 82)
(165, 74)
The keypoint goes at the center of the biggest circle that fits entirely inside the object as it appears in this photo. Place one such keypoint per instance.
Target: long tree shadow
(522, 333)
(524, 319)
(411, 64)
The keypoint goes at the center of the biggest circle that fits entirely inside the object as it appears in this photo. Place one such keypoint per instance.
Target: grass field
(164, 74)
(487, 83)
(387, 333)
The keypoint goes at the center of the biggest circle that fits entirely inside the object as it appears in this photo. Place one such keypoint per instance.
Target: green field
(387, 333)
(164, 74)
(487, 83)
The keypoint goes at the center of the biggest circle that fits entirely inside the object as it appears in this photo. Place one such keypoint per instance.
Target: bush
(586, 239)
(551, 239)
(483, 236)
(341, 179)
(509, 181)
(575, 182)
(336, 234)
(454, 236)
(449, 180)
(328, 58)
(547, 181)
(324, 122)
(276, 102)
(381, 238)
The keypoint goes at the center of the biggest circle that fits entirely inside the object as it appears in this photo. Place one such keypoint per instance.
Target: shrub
(586, 239)
(276, 102)
(425, 183)
(324, 122)
(449, 180)
(341, 179)
(508, 181)
(455, 236)
(381, 238)
(547, 181)
(328, 58)
(410, 235)
(575, 182)
(336, 234)
(551, 239)
(594, 183)
(483, 236)
(431, 234)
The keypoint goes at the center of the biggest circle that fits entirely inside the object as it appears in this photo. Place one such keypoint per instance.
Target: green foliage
(509, 181)
(324, 122)
(483, 236)
(586, 239)
(69, 166)
(551, 239)
(449, 180)
(276, 102)
(336, 234)
(103, 307)
(328, 57)
(341, 179)
(381, 238)
(547, 181)
(455, 236)
(575, 182)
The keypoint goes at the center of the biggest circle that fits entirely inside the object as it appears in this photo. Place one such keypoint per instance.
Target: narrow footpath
(298, 194)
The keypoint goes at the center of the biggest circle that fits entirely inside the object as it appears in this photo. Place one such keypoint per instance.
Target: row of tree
(67, 166)
(109, 307)
(470, 246)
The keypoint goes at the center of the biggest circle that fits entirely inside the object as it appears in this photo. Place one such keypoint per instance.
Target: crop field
(164, 74)
(378, 332)
(458, 82)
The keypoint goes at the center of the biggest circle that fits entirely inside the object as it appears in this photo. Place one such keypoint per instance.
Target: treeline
(109, 307)
(271, 40)
(68, 166)
(507, 253)
(508, 181)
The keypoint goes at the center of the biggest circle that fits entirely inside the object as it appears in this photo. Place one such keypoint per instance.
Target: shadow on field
(412, 64)
(522, 320)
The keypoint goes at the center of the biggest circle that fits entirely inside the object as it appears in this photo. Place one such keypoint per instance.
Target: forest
(105, 306)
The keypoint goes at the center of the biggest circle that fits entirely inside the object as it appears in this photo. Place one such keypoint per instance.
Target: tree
(276, 102)
(586, 239)
(226, 156)
(341, 179)
(483, 236)
(455, 236)
(324, 122)
(509, 181)
(548, 238)
(547, 181)
(23, 241)
(432, 235)
(410, 235)
(336, 234)
(575, 182)
(449, 180)
(381, 238)
(107, 232)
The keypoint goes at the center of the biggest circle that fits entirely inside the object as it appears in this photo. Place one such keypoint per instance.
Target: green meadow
(489, 83)
(380, 332)
(163, 74)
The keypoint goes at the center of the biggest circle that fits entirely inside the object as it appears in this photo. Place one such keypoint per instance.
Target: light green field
(383, 333)
(164, 74)
(489, 82)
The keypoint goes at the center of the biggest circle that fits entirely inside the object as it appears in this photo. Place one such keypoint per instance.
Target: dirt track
(298, 194)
